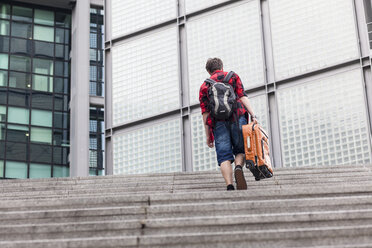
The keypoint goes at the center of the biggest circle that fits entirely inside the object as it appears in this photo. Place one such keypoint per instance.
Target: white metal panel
(152, 149)
(232, 34)
(324, 122)
(310, 35)
(145, 77)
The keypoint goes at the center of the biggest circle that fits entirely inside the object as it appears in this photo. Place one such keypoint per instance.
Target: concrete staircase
(298, 207)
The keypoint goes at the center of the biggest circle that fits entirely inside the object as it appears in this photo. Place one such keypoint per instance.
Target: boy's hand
(209, 142)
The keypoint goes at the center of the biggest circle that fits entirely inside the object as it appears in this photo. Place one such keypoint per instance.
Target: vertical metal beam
(361, 28)
(187, 163)
(270, 79)
(362, 16)
(108, 90)
(367, 76)
(109, 165)
(79, 121)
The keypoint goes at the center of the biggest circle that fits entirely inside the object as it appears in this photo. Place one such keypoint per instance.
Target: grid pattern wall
(237, 42)
(34, 91)
(96, 52)
(195, 5)
(310, 35)
(204, 158)
(153, 149)
(324, 122)
(321, 122)
(130, 16)
(145, 77)
(259, 105)
(96, 141)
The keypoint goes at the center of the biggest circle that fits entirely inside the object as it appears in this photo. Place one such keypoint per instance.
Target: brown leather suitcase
(257, 151)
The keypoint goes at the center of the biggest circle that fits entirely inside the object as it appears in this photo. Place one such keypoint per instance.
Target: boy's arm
(207, 129)
(248, 106)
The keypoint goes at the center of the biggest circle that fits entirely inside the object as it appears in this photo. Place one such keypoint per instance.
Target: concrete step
(356, 236)
(298, 207)
(180, 184)
(142, 198)
(192, 225)
(189, 185)
(186, 210)
(187, 175)
(313, 237)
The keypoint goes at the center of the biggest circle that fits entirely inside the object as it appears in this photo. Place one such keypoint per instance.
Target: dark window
(42, 100)
(20, 63)
(44, 49)
(2, 149)
(22, 14)
(4, 44)
(63, 20)
(61, 137)
(19, 80)
(3, 96)
(16, 151)
(19, 97)
(60, 51)
(17, 133)
(61, 102)
(58, 68)
(40, 153)
(61, 120)
(23, 30)
(60, 155)
(20, 46)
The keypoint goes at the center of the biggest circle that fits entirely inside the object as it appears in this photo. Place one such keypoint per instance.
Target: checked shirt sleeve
(203, 98)
(239, 88)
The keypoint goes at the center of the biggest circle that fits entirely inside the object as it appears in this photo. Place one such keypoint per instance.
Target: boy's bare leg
(239, 159)
(227, 172)
(238, 172)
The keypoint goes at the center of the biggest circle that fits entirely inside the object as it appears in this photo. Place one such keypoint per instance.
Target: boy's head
(213, 64)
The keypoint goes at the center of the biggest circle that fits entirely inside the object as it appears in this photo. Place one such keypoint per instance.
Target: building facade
(51, 81)
(305, 66)
(111, 87)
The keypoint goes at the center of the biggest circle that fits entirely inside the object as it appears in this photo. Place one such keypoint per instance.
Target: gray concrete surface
(300, 207)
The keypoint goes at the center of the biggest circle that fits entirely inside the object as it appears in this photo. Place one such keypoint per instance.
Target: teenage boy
(226, 134)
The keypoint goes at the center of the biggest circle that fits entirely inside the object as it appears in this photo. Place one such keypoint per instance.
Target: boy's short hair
(213, 64)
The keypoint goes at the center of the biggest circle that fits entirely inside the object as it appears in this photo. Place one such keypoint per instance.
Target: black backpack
(222, 99)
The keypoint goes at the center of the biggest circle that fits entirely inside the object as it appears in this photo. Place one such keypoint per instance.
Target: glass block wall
(96, 114)
(156, 148)
(96, 141)
(299, 62)
(324, 122)
(147, 64)
(34, 92)
(238, 44)
(309, 35)
(131, 16)
(96, 52)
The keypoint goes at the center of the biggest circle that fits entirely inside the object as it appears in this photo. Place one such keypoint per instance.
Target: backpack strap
(228, 77)
(226, 81)
(210, 81)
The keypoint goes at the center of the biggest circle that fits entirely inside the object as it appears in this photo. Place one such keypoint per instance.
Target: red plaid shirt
(218, 76)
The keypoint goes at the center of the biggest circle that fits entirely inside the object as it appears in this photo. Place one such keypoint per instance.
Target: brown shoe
(239, 178)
